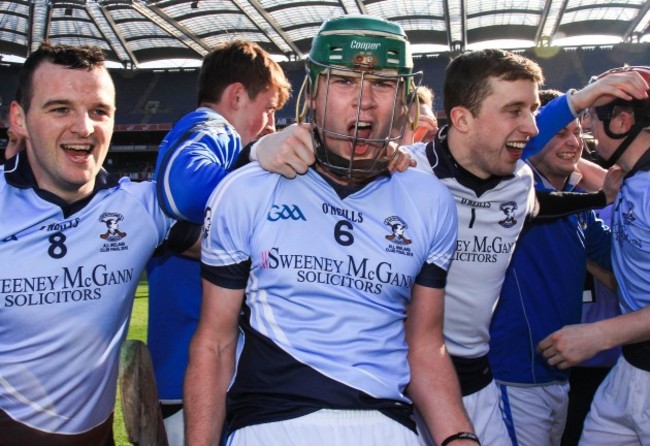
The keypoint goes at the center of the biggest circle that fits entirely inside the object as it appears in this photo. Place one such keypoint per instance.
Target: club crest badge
(628, 216)
(398, 228)
(508, 208)
(112, 221)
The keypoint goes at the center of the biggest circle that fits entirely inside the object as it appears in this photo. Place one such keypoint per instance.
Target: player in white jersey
(620, 410)
(477, 157)
(73, 243)
(327, 267)
(491, 98)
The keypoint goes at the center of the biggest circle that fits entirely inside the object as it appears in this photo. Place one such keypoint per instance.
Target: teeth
(364, 125)
(566, 155)
(78, 147)
(516, 145)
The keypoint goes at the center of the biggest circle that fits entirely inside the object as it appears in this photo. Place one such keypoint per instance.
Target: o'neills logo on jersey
(113, 235)
(353, 216)
(61, 226)
(509, 208)
(475, 204)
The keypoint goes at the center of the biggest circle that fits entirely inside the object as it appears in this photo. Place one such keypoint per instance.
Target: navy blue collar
(19, 174)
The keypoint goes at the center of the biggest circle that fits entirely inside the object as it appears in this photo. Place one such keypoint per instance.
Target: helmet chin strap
(629, 136)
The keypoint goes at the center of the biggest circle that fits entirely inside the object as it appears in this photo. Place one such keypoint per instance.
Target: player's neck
(636, 150)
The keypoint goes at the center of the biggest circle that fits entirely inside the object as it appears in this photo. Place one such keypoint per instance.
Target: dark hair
(546, 96)
(73, 57)
(466, 77)
(240, 61)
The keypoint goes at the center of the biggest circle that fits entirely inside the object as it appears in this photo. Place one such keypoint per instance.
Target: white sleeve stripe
(166, 185)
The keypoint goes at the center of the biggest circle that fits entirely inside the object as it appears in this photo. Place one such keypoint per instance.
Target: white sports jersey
(491, 214)
(67, 283)
(335, 307)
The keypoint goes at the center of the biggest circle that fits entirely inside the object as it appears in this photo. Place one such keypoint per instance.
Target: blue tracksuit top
(187, 173)
(542, 291)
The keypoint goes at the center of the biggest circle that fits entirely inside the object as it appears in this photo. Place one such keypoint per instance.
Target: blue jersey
(551, 118)
(631, 235)
(631, 250)
(542, 291)
(67, 281)
(328, 285)
(194, 156)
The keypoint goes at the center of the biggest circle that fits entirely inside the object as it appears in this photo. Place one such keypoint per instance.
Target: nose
(366, 98)
(269, 127)
(529, 127)
(270, 124)
(574, 140)
(83, 125)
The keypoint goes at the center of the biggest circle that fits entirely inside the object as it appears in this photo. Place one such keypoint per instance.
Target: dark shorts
(13, 433)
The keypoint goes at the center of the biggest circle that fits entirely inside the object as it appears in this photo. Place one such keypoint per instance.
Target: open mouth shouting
(360, 131)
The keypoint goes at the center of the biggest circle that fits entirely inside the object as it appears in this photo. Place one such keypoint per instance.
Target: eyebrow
(67, 102)
(520, 104)
(52, 102)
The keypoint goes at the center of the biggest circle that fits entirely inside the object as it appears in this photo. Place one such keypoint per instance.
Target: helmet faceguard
(640, 110)
(365, 50)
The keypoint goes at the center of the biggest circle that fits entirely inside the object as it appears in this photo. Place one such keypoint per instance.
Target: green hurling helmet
(368, 50)
(360, 42)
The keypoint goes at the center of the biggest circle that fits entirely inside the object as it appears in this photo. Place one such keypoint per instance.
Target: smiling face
(495, 137)
(68, 127)
(355, 114)
(559, 158)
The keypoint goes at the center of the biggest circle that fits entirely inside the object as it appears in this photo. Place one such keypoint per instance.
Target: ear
(234, 95)
(17, 120)
(461, 119)
(623, 121)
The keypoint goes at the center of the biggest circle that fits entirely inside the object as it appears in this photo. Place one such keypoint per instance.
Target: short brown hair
(245, 62)
(466, 78)
(73, 57)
